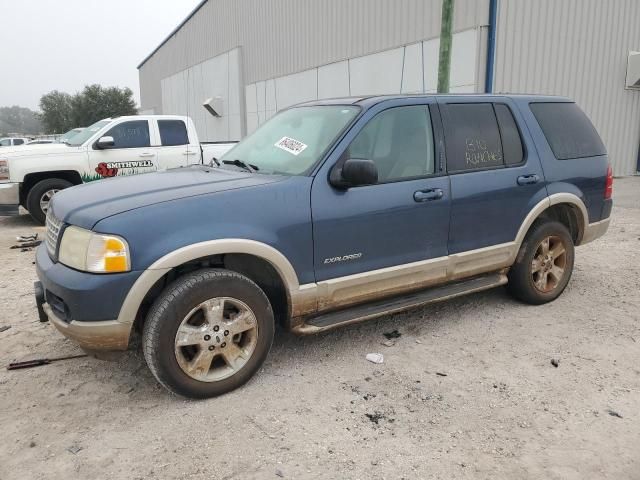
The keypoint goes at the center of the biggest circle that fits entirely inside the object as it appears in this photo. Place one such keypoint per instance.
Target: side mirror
(354, 172)
(105, 142)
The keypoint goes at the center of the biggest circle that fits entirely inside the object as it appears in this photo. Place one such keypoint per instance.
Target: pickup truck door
(495, 172)
(402, 219)
(131, 153)
(174, 146)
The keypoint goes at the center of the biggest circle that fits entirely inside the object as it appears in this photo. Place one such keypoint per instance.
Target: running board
(367, 311)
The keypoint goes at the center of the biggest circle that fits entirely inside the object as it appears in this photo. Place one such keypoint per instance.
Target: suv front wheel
(544, 264)
(208, 333)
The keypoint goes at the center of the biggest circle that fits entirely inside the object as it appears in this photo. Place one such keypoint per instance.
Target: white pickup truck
(30, 175)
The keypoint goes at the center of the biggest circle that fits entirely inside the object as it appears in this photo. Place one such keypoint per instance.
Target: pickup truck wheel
(208, 333)
(40, 195)
(544, 264)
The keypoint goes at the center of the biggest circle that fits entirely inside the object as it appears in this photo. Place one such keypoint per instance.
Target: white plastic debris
(375, 357)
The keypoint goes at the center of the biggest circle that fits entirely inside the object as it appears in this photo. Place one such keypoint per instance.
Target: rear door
(131, 153)
(495, 172)
(174, 149)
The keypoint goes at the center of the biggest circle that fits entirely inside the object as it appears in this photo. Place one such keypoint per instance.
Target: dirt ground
(318, 409)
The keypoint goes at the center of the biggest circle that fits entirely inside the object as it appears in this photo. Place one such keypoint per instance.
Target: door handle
(428, 195)
(528, 179)
(146, 154)
(189, 153)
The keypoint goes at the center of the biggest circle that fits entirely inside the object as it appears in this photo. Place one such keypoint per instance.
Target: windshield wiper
(241, 164)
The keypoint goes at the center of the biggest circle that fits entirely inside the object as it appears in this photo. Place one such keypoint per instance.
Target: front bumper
(92, 336)
(84, 306)
(9, 199)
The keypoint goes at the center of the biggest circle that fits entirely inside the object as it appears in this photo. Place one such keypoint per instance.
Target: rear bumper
(595, 230)
(9, 199)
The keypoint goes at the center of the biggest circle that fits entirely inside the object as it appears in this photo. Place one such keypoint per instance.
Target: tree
(62, 112)
(19, 120)
(56, 111)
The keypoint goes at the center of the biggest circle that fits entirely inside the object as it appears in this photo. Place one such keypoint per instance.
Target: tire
(39, 192)
(201, 357)
(533, 278)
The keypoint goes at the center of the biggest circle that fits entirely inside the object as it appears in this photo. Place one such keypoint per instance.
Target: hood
(85, 205)
(39, 150)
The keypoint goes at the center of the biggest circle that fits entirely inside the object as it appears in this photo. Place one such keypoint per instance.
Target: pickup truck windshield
(293, 141)
(87, 133)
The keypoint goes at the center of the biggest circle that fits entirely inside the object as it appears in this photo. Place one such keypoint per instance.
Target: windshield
(293, 141)
(71, 133)
(87, 133)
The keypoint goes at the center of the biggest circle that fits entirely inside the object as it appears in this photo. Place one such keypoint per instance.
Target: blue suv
(331, 213)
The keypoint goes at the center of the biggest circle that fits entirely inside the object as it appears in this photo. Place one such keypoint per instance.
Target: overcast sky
(66, 44)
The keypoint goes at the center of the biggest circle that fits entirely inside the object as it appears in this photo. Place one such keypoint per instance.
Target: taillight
(608, 189)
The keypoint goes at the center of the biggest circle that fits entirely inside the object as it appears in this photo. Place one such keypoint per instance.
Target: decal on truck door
(111, 169)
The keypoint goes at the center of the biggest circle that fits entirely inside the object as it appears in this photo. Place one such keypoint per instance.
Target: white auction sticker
(290, 145)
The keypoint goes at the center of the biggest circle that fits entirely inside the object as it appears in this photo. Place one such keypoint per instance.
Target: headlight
(93, 252)
(4, 169)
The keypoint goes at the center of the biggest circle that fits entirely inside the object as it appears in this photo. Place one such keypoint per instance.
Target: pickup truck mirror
(105, 142)
(354, 172)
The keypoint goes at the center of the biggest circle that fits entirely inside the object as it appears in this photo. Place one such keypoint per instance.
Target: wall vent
(633, 71)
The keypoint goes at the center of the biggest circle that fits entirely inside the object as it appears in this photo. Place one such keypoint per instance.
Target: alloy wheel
(216, 339)
(549, 263)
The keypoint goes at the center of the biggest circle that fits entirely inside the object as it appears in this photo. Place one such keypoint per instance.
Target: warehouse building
(232, 64)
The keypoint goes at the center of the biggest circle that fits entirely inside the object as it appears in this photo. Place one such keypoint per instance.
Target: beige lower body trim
(362, 287)
(105, 335)
(595, 230)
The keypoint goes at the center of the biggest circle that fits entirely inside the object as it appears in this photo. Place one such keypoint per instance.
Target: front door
(369, 237)
(131, 153)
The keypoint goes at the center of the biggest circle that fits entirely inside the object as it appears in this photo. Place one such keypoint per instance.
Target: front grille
(53, 230)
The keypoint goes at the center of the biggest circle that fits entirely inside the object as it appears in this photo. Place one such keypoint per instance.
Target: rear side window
(511, 142)
(173, 132)
(568, 130)
(18, 141)
(472, 137)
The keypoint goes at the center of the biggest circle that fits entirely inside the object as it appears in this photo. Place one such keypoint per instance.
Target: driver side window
(133, 134)
(399, 141)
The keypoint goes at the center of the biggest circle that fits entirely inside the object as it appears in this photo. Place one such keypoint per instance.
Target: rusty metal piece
(41, 361)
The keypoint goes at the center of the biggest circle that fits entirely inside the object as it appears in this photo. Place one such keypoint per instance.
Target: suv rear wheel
(544, 264)
(40, 195)
(208, 333)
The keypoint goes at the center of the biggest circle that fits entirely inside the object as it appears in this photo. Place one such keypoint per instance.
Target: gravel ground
(318, 409)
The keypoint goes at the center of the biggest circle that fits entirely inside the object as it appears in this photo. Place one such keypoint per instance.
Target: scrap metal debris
(26, 245)
(27, 238)
(440, 374)
(555, 362)
(4, 328)
(375, 357)
(613, 413)
(41, 361)
(392, 334)
(388, 343)
(74, 449)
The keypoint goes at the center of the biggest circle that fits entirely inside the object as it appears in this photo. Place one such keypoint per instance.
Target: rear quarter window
(568, 130)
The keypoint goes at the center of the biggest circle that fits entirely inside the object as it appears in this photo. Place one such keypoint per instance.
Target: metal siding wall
(280, 37)
(576, 48)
